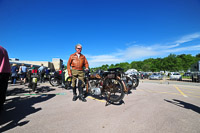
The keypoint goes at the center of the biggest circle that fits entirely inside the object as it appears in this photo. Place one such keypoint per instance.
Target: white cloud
(171, 46)
(99, 60)
(139, 51)
(190, 48)
(130, 43)
(188, 38)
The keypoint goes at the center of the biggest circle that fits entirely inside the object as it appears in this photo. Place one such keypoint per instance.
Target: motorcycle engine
(95, 88)
(96, 91)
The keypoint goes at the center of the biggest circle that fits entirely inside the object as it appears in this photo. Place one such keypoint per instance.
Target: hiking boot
(74, 98)
(82, 99)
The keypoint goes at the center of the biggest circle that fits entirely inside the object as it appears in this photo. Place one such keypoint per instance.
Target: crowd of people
(21, 73)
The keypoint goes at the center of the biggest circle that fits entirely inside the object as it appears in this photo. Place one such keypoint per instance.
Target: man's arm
(68, 66)
(86, 64)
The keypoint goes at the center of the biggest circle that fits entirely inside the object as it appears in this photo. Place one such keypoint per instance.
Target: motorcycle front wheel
(54, 81)
(135, 82)
(114, 90)
(129, 83)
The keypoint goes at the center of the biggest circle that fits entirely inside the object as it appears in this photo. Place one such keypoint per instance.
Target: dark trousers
(4, 77)
(13, 80)
(41, 77)
(80, 89)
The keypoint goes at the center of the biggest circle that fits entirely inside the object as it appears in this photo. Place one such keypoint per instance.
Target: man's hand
(70, 75)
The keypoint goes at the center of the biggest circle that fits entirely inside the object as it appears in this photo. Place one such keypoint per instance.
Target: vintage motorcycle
(56, 79)
(135, 80)
(105, 84)
(130, 81)
(32, 79)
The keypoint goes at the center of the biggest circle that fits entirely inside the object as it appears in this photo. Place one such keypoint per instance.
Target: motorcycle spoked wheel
(114, 90)
(53, 81)
(129, 83)
(135, 82)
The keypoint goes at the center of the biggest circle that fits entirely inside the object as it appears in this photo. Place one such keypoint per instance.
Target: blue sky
(111, 31)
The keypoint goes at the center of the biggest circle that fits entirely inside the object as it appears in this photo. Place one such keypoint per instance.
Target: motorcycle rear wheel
(114, 90)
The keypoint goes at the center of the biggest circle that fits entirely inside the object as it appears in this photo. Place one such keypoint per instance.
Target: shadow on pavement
(18, 108)
(118, 103)
(184, 105)
(44, 89)
(105, 99)
(20, 91)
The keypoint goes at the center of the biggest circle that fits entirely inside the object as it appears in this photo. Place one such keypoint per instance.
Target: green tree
(170, 63)
(133, 65)
(197, 57)
(112, 66)
(186, 61)
(124, 65)
(105, 67)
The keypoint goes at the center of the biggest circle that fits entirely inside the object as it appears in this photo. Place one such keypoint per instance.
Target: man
(4, 75)
(14, 71)
(77, 61)
(41, 70)
(23, 69)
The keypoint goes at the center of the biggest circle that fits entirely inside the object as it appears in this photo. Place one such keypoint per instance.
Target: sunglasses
(79, 48)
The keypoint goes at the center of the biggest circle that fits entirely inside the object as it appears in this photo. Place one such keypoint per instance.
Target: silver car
(175, 76)
(157, 76)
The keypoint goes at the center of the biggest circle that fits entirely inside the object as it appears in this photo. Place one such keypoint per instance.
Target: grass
(186, 77)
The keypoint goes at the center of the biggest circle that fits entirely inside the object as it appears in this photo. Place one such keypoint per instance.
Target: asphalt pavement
(154, 106)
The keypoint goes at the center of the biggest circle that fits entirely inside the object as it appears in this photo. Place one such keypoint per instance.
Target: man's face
(78, 49)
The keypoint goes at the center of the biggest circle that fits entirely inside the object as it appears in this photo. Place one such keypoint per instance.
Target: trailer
(195, 72)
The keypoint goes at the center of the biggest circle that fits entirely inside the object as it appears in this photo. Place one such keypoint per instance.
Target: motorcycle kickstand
(107, 100)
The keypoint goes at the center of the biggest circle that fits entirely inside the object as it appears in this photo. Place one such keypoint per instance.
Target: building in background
(56, 63)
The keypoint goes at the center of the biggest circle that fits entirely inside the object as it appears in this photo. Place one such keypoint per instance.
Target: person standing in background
(23, 69)
(4, 75)
(14, 71)
(41, 70)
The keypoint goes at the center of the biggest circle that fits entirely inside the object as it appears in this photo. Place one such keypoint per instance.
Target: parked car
(144, 75)
(188, 74)
(156, 76)
(175, 76)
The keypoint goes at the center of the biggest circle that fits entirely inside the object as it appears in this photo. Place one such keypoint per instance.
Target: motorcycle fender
(125, 88)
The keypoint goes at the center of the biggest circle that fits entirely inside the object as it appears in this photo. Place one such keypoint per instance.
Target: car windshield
(156, 74)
